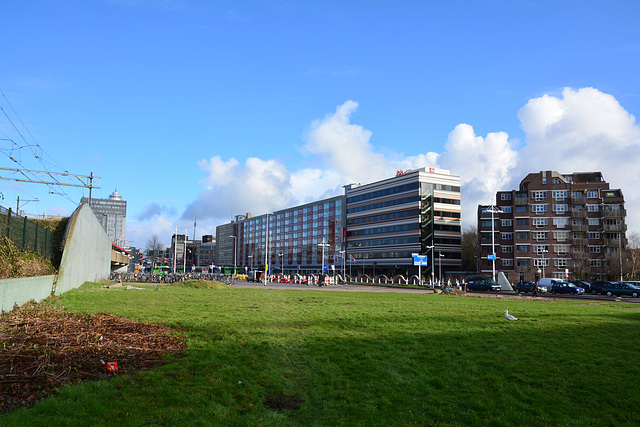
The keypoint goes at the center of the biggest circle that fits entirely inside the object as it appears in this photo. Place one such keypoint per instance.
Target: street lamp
(433, 273)
(542, 252)
(440, 256)
(266, 251)
(281, 255)
(235, 253)
(251, 261)
(323, 245)
(493, 210)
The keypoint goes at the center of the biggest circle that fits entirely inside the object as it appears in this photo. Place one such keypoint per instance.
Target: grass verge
(289, 357)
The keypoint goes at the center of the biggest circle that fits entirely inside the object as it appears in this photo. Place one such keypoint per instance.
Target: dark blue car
(566, 288)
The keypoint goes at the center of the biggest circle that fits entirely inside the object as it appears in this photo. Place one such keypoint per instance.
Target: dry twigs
(43, 348)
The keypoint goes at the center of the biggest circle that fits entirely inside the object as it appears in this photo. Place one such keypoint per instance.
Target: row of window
(555, 194)
(559, 263)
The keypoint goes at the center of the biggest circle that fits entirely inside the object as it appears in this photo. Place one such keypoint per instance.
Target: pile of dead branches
(43, 348)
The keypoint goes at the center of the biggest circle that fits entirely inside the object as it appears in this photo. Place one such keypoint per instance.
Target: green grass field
(357, 358)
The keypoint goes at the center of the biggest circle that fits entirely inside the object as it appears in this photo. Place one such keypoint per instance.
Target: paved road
(370, 288)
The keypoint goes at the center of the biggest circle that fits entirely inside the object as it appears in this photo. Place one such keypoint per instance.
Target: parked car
(524, 287)
(621, 288)
(566, 288)
(599, 287)
(482, 285)
(582, 284)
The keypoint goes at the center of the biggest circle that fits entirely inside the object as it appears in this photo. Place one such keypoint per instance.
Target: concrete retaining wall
(19, 291)
(87, 252)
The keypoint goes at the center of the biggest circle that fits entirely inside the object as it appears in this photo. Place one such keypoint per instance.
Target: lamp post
(323, 245)
(251, 261)
(542, 252)
(440, 256)
(433, 273)
(235, 253)
(266, 247)
(343, 255)
(281, 255)
(493, 210)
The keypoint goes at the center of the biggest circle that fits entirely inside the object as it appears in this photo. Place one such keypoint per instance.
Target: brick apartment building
(568, 226)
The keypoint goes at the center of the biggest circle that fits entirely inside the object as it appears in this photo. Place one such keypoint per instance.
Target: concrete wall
(19, 291)
(86, 257)
(87, 252)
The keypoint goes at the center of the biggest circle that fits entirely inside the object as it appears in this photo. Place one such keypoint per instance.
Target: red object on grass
(112, 366)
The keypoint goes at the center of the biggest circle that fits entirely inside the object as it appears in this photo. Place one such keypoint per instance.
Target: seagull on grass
(508, 316)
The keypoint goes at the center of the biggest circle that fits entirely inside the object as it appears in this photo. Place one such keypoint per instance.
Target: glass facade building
(415, 212)
(373, 226)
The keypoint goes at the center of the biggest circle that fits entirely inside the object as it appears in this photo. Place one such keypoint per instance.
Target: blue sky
(215, 108)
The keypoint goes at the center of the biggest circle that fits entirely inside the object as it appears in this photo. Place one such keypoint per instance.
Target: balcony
(579, 200)
(612, 243)
(580, 242)
(521, 201)
(614, 228)
(576, 227)
(615, 213)
(523, 269)
(578, 214)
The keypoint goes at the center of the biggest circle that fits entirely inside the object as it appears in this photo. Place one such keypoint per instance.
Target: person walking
(534, 290)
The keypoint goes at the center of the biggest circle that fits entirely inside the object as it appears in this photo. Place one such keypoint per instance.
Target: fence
(25, 234)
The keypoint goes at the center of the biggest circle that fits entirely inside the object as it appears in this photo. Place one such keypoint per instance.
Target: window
(595, 263)
(487, 223)
(592, 194)
(506, 209)
(522, 235)
(507, 222)
(576, 194)
(559, 194)
(560, 208)
(561, 262)
(539, 194)
(540, 235)
(540, 249)
(594, 236)
(592, 208)
(507, 263)
(539, 209)
(524, 262)
(544, 179)
(561, 236)
(507, 236)
(540, 222)
(562, 249)
(522, 248)
(541, 262)
(594, 249)
(522, 222)
(521, 208)
(594, 221)
(560, 222)
(505, 196)
(507, 249)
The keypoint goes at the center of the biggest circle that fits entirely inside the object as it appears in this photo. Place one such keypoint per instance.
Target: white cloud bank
(582, 130)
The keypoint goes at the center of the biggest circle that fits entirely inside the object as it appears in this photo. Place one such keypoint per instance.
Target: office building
(112, 214)
(415, 212)
(374, 229)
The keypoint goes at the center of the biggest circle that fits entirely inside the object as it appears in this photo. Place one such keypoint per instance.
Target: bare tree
(153, 246)
(632, 256)
(470, 249)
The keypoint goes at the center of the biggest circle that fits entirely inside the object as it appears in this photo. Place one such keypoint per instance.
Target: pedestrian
(535, 289)
(320, 280)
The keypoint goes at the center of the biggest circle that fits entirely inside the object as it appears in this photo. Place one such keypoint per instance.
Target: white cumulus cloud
(582, 131)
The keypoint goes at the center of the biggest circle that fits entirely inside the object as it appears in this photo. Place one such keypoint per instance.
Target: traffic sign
(420, 259)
